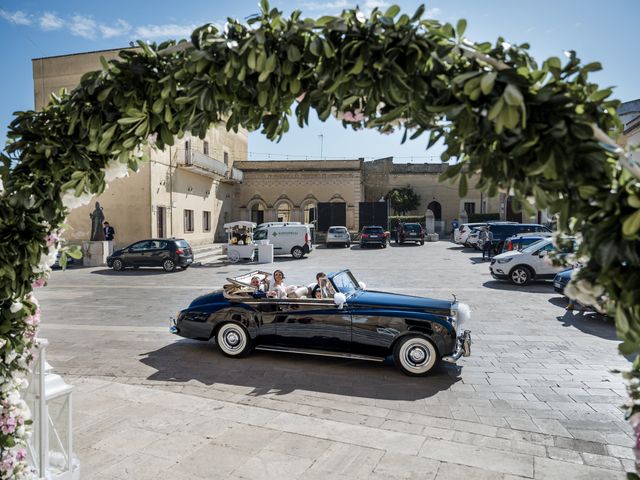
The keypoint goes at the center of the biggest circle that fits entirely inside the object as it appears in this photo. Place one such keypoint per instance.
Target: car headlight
(504, 260)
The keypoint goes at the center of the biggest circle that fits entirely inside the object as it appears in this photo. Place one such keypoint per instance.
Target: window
(260, 234)
(226, 158)
(310, 213)
(187, 152)
(206, 221)
(257, 213)
(188, 221)
(470, 207)
(205, 147)
(146, 245)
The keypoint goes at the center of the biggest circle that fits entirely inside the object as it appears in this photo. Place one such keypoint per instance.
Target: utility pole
(321, 136)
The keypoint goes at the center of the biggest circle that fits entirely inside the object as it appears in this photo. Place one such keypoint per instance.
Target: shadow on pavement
(590, 322)
(475, 260)
(130, 272)
(282, 373)
(369, 247)
(533, 287)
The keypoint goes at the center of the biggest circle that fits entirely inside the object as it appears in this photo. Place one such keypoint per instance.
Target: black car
(356, 323)
(373, 236)
(502, 231)
(411, 232)
(156, 252)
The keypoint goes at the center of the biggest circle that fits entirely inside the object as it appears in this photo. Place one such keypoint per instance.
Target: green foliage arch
(535, 130)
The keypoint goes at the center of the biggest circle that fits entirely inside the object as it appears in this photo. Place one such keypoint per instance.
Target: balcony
(198, 162)
(234, 175)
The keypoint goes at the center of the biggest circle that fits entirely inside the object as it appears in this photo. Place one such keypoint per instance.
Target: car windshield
(345, 282)
(535, 246)
(260, 234)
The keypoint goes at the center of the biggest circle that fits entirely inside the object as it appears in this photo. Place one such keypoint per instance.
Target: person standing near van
(454, 226)
(487, 247)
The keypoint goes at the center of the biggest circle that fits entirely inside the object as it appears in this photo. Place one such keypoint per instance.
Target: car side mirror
(339, 299)
(542, 254)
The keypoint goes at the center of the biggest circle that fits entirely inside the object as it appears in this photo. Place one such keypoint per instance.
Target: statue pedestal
(94, 254)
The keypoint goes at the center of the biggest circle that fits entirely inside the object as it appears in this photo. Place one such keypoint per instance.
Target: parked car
(520, 267)
(502, 231)
(417, 331)
(561, 279)
(338, 236)
(473, 238)
(70, 261)
(411, 232)
(287, 239)
(373, 235)
(155, 252)
(518, 242)
(461, 234)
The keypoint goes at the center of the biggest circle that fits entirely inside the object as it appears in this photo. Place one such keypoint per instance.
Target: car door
(155, 253)
(541, 264)
(313, 323)
(135, 254)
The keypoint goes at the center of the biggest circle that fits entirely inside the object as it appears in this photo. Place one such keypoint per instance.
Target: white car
(461, 233)
(338, 236)
(473, 239)
(530, 263)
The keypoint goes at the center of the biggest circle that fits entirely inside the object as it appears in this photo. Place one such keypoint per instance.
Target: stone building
(185, 191)
(192, 188)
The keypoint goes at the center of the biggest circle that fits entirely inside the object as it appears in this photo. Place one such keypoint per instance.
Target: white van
(286, 239)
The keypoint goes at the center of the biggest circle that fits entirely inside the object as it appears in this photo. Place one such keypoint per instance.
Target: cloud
(82, 26)
(164, 31)
(432, 12)
(50, 21)
(18, 17)
(371, 4)
(337, 5)
(121, 28)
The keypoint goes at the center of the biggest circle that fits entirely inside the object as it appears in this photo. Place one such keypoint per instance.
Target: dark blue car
(561, 279)
(353, 322)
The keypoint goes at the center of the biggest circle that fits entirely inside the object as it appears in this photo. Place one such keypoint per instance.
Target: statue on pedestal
(97, 217)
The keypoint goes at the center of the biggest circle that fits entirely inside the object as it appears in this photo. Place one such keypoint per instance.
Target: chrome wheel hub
(417, 355)
(232, 339)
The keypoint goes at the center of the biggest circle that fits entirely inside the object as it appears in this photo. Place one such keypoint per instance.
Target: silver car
(338, 236)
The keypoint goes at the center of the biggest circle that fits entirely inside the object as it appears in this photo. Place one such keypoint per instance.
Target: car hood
(504, 255)
(213, 297)
(368, 298)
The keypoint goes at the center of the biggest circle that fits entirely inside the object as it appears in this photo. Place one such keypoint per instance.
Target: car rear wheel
(118, 265)
(297, 253)
(233, 340)
(168, 265)
(415, 355)
(520, 275)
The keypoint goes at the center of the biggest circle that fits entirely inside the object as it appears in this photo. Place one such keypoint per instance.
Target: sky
(597, 31)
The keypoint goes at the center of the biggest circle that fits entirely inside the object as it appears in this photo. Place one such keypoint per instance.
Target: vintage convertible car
(355, 323)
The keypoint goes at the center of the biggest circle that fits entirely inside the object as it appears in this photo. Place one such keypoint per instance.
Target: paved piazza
(536, 399)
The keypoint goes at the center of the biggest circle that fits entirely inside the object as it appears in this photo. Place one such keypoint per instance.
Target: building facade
(185, 191)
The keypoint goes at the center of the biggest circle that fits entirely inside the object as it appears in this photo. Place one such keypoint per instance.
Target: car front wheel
(415, 355)
(233, 340)
(520, 275)
(118, 265)
(297, 253)
(168, 265)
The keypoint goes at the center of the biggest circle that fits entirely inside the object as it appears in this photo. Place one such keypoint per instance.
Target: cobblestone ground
(536, 399)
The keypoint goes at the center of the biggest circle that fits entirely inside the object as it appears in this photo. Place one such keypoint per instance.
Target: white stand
(94, 254)
(265, 253)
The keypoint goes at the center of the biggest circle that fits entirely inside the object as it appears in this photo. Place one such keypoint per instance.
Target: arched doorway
(283, 212)
(257, 213)
(436, 208)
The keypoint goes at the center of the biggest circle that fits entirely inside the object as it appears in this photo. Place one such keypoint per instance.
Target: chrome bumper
(173, 328)
(463, 348)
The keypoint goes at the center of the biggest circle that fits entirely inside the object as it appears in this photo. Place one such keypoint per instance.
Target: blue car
(561, 279)
(352, 322)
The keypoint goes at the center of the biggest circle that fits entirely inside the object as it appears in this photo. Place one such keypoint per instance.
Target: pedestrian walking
(487, 247)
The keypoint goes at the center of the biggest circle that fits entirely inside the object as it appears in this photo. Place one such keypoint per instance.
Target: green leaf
(293, 53)
(251, 59)
(631, 224)
(74, 251)
(496, 109)
(554, 62)
(513, 96)
(461, 27)
(358, 67)
(487, 82)
(600, 95)
(462, 186)
(392, 11)
(129, 120)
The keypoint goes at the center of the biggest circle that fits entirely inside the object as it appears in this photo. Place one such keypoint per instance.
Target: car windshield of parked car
(373, 230)
(260, 234)
(345, 283)
(536, 246)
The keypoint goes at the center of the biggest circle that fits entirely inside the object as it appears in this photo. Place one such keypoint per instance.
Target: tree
(403, 200)
(537, 130)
